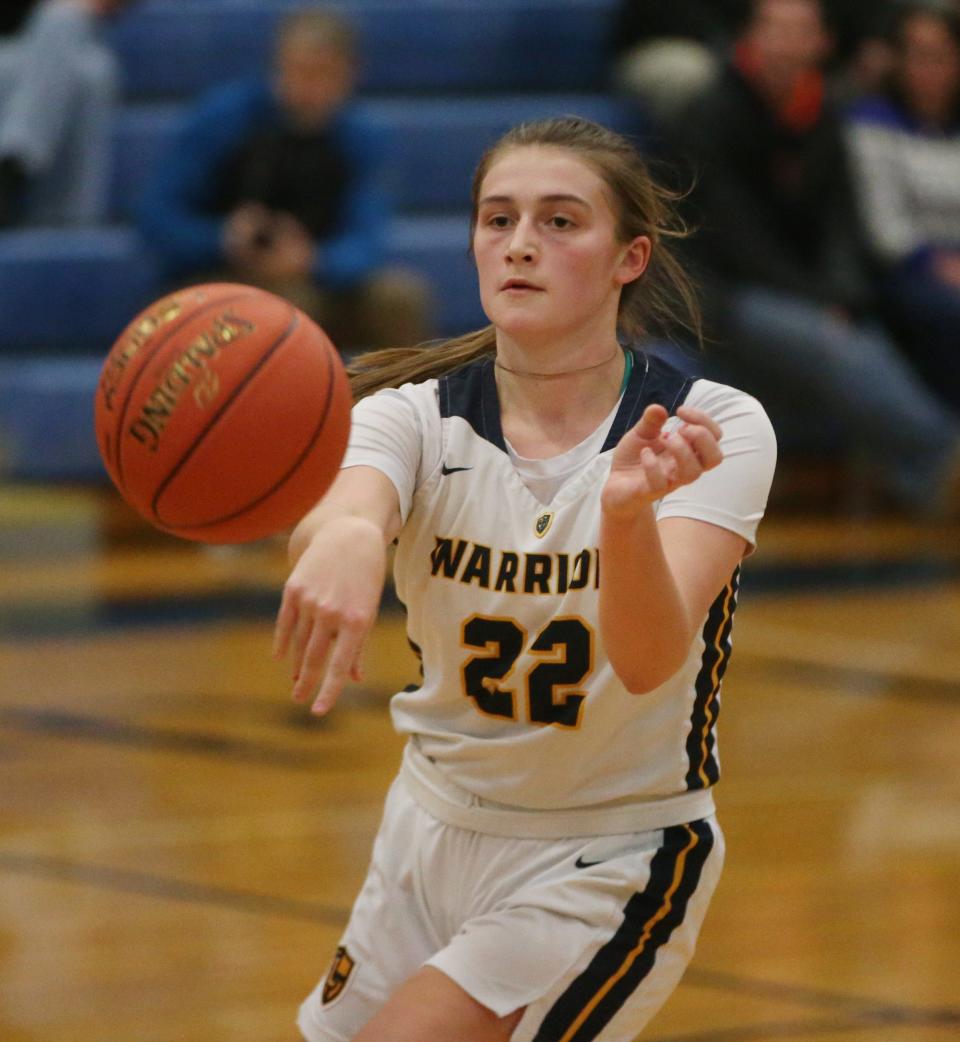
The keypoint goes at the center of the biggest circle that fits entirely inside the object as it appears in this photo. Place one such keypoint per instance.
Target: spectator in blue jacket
(58, 95)
(275, 181)
(906, 149)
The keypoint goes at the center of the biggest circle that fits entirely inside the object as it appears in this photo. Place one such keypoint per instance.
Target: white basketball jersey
(518, 703)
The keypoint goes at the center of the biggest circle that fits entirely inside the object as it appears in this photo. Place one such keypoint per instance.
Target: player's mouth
(520, 286)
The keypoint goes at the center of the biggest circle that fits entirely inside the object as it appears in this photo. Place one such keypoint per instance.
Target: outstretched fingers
(308, 667)
(343, 664)
(324, 645)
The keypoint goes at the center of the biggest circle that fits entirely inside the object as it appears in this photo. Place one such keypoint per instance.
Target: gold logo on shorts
(544, 521)
(338, 976)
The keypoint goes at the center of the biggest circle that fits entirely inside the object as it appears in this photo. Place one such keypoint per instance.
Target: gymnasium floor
(180, 844)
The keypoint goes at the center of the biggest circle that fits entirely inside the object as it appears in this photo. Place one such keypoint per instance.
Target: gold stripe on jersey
(650, 917)
(704, 770)
(644, 939)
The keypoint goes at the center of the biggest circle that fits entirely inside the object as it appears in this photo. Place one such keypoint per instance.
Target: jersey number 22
(564, 648)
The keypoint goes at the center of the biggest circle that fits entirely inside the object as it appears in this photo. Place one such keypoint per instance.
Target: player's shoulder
(423, 392)
(415, 402)
(727, 404)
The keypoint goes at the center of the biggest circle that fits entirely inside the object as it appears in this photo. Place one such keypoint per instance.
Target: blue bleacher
(46, 419)
(174, 48)
(72, 294)
(442, 78)
(434, 143)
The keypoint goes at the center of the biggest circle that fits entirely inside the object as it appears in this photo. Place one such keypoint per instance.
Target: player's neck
(549, 404)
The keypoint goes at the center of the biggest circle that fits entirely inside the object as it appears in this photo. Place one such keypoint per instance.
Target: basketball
(222, 413)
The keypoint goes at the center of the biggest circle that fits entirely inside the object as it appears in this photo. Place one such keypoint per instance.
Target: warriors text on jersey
(518, 709)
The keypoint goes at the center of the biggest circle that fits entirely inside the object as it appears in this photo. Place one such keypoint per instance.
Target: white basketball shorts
(589, 935)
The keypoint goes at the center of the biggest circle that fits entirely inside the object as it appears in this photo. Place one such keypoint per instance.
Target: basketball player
(570, 517)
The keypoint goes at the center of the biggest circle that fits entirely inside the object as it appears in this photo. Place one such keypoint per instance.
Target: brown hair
(663, 296)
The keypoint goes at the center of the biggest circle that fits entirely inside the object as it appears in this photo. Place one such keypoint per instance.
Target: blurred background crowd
(324, 152)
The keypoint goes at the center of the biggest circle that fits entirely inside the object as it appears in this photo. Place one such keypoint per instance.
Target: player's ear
(634, 259)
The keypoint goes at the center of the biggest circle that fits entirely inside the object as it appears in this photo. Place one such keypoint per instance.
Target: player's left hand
(650, 462)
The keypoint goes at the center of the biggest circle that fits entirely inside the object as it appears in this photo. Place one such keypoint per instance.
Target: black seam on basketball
(318, 430)
(145, 361)
(215, 418)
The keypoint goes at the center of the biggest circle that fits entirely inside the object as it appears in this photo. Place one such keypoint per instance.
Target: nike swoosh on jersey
(580, 863)
(444, 469)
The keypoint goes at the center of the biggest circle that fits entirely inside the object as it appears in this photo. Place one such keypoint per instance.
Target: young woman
(570, 517)
(906, 149)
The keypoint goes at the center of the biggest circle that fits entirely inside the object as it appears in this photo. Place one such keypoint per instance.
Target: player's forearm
(317, 521)
(361, 499)
(643, 620)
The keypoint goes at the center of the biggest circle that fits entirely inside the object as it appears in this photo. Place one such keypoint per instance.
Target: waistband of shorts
(451, 804)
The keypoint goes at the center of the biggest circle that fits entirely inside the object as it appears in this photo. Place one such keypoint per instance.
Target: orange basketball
(222, 413)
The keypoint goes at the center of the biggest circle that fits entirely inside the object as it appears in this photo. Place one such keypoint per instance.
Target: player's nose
(522, 245)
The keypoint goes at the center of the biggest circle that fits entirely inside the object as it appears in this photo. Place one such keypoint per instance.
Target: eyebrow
(556, 197)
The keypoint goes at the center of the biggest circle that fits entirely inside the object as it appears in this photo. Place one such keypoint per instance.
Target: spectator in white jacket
(58, 91)
(906, 151)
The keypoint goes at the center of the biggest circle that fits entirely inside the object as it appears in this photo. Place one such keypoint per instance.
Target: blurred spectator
(906, 149)
(666, 52)
(861, 52)
(275, 181)
(784, 264)
(58, 90)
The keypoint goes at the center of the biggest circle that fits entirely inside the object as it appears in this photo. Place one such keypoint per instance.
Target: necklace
(554, 376)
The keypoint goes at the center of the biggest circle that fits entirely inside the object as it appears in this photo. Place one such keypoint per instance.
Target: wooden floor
(180, 844)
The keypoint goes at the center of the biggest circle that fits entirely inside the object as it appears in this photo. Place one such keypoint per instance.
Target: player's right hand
(329, 605)
(651, 461)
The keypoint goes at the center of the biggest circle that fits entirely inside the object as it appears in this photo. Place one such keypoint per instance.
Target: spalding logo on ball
(222, 413)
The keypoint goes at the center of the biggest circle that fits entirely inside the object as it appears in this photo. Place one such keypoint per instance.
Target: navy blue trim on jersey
(471, 393)
(704, 770)
(653, 381)
(623, 963)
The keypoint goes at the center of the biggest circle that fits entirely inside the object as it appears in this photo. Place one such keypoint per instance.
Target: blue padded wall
(441, 78)
(71, 291)
(174, 48)
(433, 145)
(46, 419)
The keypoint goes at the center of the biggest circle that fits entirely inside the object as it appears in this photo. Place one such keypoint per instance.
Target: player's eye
(498, 220)
(560, 221)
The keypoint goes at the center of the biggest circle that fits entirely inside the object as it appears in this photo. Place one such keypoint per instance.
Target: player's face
(548, 256)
